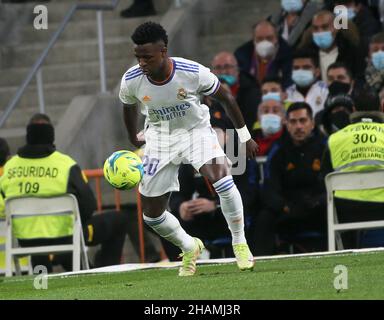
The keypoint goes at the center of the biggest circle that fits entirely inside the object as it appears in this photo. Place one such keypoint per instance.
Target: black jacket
(248, 97)
(281, 66)
(292, 175)
(76, 184)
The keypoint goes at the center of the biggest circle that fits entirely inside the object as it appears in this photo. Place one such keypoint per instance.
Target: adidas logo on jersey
(146, 98)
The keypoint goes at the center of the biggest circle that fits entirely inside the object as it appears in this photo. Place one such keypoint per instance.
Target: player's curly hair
(149, 32)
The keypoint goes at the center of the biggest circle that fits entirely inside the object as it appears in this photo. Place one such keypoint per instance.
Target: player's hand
(252, 148)
(137, 143)
(201, 205)
(139, 140)
(140, 136)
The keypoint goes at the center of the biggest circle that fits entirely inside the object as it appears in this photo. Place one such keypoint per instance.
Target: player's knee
(216, 176)
(154, 207)
(153, 211)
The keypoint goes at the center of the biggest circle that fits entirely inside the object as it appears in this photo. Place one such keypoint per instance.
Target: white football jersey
(316, 95)
(174, 103)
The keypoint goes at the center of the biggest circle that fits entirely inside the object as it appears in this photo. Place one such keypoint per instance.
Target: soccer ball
(123, 170)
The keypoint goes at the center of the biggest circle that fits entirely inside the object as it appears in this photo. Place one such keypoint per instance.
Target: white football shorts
(163, 155)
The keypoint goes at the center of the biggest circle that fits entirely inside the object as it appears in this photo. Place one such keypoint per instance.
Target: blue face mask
(351, 13)
(378, 60)
(270, 123)
(292, 5)
(323, 40)
(272, 96)
(228, 78)
(303, 78)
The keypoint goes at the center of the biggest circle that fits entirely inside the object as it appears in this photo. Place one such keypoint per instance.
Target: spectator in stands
(348, 150)
(294, 196)
(294, 17)
(139, 8)
(242, 85)
(340, 81)
(331, 45)
(363, 18)
(339, 72)
(271, 88)
(374, 73)
(266, 54)
(307, 87)
(271, 114)
(271, 118)
(338, 108)
(58, 174)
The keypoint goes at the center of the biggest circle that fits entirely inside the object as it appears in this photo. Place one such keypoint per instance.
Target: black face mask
(339, 120)
(338, 87)
(40, 133)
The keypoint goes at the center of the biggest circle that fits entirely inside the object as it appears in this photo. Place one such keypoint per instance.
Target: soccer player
(177, 127)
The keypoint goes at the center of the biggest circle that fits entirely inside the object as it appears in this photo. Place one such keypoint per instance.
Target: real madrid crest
(182, 94)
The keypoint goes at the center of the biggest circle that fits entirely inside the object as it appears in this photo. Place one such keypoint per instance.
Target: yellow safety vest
(38, 177)
(2, 202)
(358, 147)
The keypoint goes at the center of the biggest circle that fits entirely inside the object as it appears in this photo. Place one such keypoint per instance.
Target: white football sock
(168, 227)
(232, 208)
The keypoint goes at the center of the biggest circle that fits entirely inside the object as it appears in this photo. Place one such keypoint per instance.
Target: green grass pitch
(289, 278)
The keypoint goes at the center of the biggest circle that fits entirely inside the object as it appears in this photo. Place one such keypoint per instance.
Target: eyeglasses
(224, 67)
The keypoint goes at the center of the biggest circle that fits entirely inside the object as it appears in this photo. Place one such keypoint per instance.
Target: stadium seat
(2, 245)
(26, 207)
(24, 262)
(358, 180)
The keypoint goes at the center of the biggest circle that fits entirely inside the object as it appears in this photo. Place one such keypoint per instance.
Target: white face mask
(265, 48)
(270, 123)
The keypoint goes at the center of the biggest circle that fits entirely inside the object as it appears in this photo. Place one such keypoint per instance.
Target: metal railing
(36, 68)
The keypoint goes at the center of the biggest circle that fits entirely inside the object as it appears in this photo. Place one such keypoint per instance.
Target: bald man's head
(265, 30)
(224, 65)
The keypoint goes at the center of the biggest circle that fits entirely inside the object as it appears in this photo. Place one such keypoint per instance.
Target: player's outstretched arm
(233, 111)
(130, 120)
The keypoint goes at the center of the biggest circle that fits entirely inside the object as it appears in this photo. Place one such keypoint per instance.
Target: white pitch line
(168, 265)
